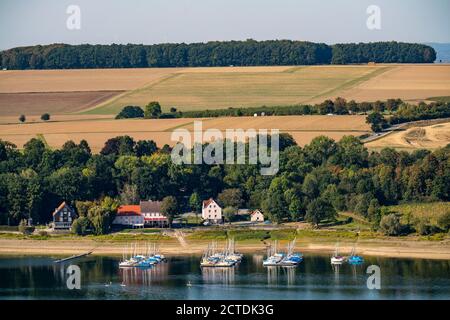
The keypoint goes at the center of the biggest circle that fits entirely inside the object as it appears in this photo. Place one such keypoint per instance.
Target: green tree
(129, 112)
(318, 210)
(80, 226)
(231, 198)
(99, 219)
(170, 208)
(274, 203)
(377, 121)
(229, 213)
(390, 225)
(22, 118)
(45, 117)
(152, 110)
(129, 194)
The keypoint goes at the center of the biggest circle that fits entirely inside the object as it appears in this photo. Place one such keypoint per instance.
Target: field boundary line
(149, 85)
(351, 83)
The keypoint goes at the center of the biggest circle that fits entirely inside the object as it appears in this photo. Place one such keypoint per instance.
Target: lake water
(315, 278)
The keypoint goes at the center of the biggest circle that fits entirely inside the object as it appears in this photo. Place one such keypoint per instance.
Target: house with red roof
(211, 211)
(129, 216)
(257, 216)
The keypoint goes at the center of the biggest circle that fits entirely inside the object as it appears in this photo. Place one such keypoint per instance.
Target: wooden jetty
(74, 257)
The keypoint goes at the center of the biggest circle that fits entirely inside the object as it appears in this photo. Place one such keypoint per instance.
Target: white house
(129, 216)
(153, 217)
(257, 216)
(211, 211)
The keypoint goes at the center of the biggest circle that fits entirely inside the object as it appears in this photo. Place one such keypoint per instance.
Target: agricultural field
(37, 103)
(428, 137)
(409, 82)
(96, 132)
(106, 91)
(217, 89)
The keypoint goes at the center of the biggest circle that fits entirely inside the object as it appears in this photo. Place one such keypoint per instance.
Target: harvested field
(217, 87)
(196, 89)
(429, 137)
(37, 103)
(409, 82)
(55, 118)
(16, 81)
(96, 132)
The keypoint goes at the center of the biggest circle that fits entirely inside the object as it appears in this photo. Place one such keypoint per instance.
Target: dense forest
(217, 53)
(313, 183)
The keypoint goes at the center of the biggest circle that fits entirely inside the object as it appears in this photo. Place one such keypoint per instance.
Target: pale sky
(31, 22)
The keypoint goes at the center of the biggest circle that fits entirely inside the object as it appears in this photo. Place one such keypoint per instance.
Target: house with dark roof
(129, 216)
(153, 216)
(63, 217)
(211, 211)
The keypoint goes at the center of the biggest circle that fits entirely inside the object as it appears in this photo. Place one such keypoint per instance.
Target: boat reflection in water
(279, 276)
(219, 275)
(145, 276)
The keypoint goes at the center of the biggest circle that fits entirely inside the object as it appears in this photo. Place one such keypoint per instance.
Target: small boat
(291, 259)
(337, 258)
(354, 258)
(273, 257)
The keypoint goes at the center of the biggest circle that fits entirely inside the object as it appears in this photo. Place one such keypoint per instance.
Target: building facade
(153, 217)
(211, 211)
(129, 216)
(256, 216)
(63, 217)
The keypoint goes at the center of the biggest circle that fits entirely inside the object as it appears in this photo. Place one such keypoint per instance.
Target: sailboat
(354, 258)
(273, 257)
(291, 259)
(337, 258)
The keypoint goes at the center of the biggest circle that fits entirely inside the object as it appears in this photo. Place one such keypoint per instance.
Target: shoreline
(376, 248)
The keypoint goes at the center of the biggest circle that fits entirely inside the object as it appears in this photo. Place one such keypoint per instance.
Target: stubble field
(82, 103)
(302, 128)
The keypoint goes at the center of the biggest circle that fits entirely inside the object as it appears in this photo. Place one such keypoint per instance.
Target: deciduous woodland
(313, 183)
(216, 53)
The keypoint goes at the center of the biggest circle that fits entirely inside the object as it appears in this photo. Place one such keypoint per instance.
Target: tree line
(313, 183)
(382, 114)
(210, 54)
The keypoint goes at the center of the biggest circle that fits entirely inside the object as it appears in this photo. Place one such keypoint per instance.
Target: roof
(255, 212)
(129, 210)
(61, 206)
(208, 202)
(150, 206)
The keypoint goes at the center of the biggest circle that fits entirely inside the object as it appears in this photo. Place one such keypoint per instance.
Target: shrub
(45, 117)
(129, 112)
(390, 225)
(80, 226)
(25, 228)
(43, 233)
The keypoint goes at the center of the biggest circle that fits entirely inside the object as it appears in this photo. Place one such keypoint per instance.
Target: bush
(45, 117)
(43, 233)
(80, 226)
(25, 228)
(129, 112)
(390, 225)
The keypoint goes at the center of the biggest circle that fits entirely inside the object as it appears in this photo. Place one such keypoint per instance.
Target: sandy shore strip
(395, 249)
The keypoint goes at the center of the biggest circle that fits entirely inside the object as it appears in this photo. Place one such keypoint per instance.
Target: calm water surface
(315, 278)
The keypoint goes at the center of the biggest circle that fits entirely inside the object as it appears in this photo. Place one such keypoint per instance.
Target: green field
(216, 88)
